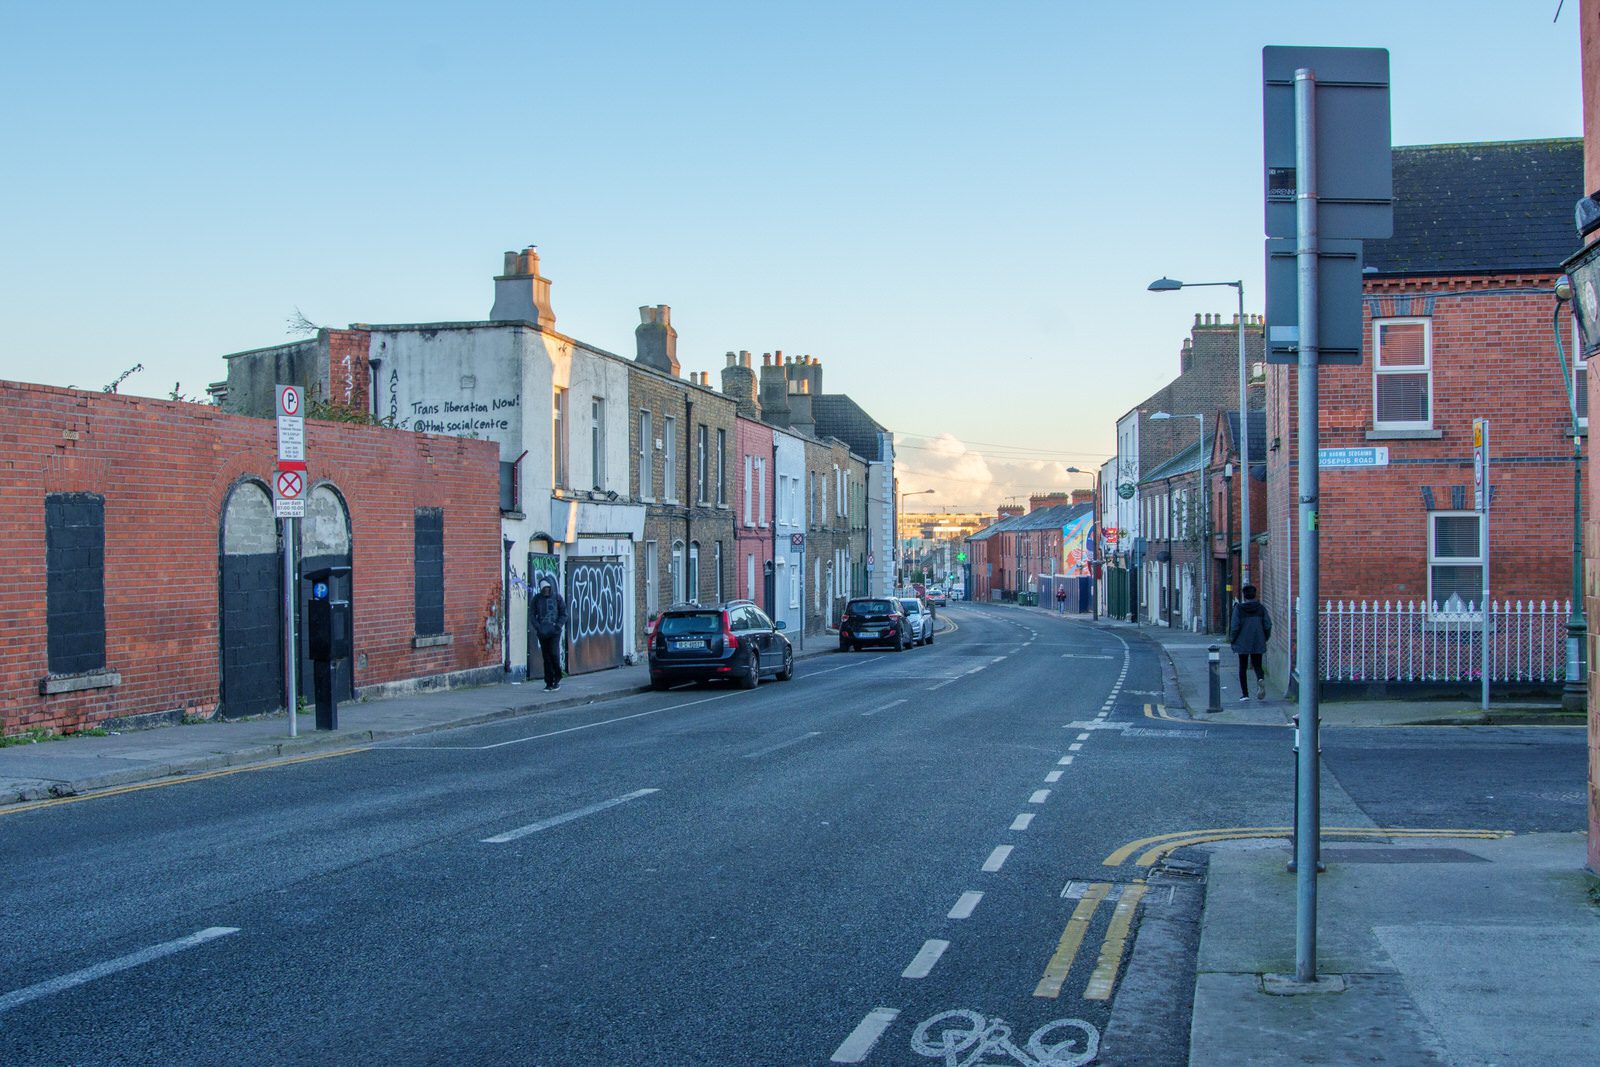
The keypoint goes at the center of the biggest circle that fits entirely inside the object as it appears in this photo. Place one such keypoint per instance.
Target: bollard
(1213, 662)
(1294, 836)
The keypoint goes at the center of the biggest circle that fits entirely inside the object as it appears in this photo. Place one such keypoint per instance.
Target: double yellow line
(1159, 711)
(1160, 846)
(1103, 979)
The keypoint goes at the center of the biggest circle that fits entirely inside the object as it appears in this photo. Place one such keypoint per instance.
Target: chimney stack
(774, 395)
(521, 294)
(739, 384)
(656, 340)
(800, 416)
(1083, 496)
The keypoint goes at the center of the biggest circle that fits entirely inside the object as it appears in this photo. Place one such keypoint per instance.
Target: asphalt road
(890, 856)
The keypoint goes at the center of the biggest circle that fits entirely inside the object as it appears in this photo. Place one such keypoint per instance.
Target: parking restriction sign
(288, 495)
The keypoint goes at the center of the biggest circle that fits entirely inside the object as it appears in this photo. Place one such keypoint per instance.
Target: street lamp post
(1575, 691)
(900, 542)
(1167, 285)
(1205, 514)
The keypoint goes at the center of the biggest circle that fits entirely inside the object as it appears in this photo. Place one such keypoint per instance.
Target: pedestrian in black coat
(549, 619)
(1249, 630)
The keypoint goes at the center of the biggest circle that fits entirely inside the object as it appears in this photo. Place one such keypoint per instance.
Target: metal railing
(1411, 641)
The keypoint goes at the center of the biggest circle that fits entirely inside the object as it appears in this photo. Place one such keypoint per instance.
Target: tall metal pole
(1307, 818)
(290, 653)
(1205, 534)
(1244, 458)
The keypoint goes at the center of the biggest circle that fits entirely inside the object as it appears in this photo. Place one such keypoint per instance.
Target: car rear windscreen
(871, 607)
(910, 606)
(703, 622)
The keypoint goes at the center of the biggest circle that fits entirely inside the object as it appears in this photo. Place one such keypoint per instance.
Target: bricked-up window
(647, 474)
(1402, 374)
(1455, 561)
(558, 436)
(75, 582)
(597, 441)
(428, 566)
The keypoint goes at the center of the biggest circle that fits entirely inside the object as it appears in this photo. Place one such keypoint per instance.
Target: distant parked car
(938, 598)
(920, 620)
(733, 642)
(874, 621)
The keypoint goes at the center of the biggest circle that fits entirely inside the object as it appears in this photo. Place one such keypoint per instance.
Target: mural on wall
(1075, 547)
(595, 608)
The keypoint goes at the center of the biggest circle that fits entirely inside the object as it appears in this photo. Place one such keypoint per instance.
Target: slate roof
(839, 416)
(1051, 518)
(1258, 440)
(1485, 207)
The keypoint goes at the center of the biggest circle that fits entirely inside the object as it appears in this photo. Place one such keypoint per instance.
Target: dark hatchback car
(874, 621)
(733, 642)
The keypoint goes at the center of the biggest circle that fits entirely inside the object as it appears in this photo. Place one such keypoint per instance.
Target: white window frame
(718, 561)
(1580, 374)
(1435, 560)
(691, 579)
(722, 466)
(647, 451)
(675, 572)
(749, 490)
(560, 467)
(761, 489)
(669, 459)
(652, 578)
(1379, 371)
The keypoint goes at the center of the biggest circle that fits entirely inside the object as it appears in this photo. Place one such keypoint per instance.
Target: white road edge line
(929, 955)
(588, 725)
(557, 820)
(997, 858)
(855, 1047)
(19, 997)
(885, 707)
(966, 905)
(1021, 821)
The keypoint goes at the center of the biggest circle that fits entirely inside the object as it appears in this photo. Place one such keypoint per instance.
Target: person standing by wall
(1249, 630)
(549, 619)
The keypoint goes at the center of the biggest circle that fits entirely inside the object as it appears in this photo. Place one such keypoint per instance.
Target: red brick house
(1457, 311)
(144, 568)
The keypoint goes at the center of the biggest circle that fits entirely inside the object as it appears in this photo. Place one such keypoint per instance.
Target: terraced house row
(500, 450)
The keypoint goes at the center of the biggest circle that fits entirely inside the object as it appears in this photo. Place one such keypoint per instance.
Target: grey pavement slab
(1465, 962)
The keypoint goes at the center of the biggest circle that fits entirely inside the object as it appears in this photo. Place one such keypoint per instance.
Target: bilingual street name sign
(1334, 459)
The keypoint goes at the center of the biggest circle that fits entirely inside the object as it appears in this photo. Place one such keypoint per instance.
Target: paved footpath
(1429, 950)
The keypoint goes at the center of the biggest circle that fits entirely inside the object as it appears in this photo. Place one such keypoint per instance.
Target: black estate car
(874, 621)
(733, 642)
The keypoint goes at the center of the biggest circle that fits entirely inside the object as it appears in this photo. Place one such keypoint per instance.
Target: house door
(249, 605)
(595, 608)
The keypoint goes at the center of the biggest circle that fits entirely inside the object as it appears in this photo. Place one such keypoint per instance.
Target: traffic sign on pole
(291, 429)
(288, 495)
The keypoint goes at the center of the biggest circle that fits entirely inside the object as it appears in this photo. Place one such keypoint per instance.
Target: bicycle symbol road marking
(952, 1034)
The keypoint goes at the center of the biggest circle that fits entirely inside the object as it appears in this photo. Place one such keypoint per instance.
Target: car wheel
(930, 637)
(844, 646)
(788, 666)
(751, 677)
(659, 683)
(899, 642)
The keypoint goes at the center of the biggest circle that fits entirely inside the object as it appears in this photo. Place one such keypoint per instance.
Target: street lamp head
(1164, 285)
(1160, 416)
(1563, 289)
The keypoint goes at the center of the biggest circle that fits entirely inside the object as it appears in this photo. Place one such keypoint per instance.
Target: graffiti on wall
(595, 610)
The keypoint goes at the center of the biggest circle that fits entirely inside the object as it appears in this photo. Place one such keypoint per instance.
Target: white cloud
(966, 478)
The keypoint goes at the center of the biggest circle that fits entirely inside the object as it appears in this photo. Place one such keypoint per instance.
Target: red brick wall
(752, 439)
(1493, 357)
(165, 469)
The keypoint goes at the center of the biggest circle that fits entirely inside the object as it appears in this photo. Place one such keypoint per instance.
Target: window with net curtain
(1455, 561)
(1402, 374)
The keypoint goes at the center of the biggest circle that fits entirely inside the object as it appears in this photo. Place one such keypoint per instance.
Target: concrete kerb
(26, 789)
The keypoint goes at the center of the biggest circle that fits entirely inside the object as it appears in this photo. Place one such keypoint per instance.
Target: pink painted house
(754, 519)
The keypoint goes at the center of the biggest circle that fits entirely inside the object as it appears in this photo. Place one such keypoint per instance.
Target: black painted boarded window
(75, 589)
(430, 571)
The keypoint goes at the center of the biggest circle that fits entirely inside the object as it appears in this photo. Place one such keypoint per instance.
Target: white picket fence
(1408, 641)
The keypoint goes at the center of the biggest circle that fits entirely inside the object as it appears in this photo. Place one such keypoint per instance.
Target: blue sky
(956, 207)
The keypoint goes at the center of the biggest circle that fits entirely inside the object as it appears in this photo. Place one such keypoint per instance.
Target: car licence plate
(688, 646)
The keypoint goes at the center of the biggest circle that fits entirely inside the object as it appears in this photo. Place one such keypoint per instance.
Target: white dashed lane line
(1039, 796)
(1065, 761)
(1053, 776)
(966, 905)
(1021, 821)
(922, 965)
(1075, 746)
(855, 1048)
(997, 859)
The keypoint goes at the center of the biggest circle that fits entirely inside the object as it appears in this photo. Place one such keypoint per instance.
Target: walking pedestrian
(549, 619)
(1061, 599)
(1249, 630)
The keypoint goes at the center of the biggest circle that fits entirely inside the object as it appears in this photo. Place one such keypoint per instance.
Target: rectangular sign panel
(1355, 185)
(1333, 459)
(291, 427)
(1338, 302)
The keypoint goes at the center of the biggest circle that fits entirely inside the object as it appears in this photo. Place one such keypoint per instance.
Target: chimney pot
(766, 359)
(1198, 318)
(733, 359)
(744, 359)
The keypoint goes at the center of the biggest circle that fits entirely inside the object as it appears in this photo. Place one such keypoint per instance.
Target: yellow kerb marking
(1104, 978)
(1055, 972)
(179, 780)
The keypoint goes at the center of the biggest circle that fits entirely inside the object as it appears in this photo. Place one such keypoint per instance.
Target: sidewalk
(1441, 950)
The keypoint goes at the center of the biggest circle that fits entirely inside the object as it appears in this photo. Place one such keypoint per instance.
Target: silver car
(920, 618)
